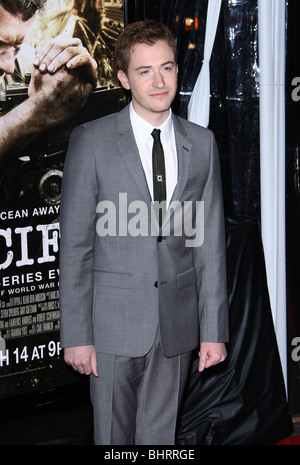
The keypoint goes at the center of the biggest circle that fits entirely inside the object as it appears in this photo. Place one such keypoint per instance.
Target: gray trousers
(136, 400)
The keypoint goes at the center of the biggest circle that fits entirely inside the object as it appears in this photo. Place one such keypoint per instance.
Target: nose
(7, 60)
(158, 80)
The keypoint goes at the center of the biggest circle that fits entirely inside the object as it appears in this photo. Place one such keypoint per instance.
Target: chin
(162, 105)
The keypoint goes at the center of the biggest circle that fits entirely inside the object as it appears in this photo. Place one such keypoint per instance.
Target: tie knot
(156, 135)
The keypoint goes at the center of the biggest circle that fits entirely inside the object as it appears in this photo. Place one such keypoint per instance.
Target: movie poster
(30, 189)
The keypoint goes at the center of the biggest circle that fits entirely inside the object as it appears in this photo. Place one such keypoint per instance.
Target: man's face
(12, 34)
(152, 79)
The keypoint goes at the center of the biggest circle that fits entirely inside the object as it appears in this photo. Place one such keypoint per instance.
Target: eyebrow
(170, 62)
(11, 41)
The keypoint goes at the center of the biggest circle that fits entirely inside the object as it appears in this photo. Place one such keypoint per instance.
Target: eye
(17, 49)
(6, 47)
(167, 68)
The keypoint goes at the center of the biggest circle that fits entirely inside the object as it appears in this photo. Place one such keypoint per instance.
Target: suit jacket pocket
(112, 279)
(194, 185)
(187, 278)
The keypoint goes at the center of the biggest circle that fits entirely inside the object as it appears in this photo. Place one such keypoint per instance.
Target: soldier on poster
(47, 77)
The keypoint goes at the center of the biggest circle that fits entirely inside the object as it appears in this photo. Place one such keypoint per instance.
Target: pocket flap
(186, 278)
(112, 279)
(193, 185)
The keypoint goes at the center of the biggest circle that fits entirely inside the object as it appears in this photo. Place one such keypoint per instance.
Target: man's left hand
(67, 51)
(211, 353)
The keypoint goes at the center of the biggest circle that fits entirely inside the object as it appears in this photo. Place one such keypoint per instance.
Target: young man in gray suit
(138, 294)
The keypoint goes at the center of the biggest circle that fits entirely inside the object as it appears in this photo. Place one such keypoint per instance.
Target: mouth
(160, 94)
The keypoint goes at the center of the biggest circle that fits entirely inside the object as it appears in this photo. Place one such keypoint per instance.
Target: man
(62, 78)
(133, 303)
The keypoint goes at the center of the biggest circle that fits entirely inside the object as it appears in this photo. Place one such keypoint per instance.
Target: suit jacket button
(159, 239)
(156, 284)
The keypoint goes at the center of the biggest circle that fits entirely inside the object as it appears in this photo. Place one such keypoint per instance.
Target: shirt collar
(142, 129)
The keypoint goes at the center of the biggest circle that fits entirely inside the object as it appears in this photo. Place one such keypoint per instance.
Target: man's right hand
(82, 359)
(53, 98)
(66, 51)
(57, 96)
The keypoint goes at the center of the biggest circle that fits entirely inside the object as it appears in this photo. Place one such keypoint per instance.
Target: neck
(158, 120)
(155, 119)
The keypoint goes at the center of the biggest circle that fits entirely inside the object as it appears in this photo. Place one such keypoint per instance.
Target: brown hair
(26, 9)
(141, 32)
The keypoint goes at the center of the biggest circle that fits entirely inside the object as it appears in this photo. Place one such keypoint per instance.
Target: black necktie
(159, 176)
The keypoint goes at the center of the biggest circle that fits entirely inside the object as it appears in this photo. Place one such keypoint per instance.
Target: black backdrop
(241, 401)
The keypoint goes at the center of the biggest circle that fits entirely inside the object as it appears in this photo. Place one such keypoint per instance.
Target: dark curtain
(293, 197)
(241, 401)
(234, 90)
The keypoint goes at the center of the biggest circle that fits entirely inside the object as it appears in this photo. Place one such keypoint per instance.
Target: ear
(123, 79)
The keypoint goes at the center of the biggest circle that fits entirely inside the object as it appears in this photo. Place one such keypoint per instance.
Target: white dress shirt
(142, 132)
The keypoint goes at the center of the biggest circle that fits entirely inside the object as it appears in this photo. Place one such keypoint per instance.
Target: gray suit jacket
(117, 286)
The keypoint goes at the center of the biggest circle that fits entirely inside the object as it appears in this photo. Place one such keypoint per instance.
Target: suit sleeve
(210, 258)
(77, 226)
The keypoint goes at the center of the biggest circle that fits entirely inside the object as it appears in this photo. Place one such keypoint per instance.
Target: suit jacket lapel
(183, 147)
(129, 152)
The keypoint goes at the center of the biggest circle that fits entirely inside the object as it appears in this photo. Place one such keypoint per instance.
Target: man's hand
(61, 81)
(56, 97)
(67, 51)
(211, 353)
(82, 359)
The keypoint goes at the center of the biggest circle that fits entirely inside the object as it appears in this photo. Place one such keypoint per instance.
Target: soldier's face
(12, 34)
